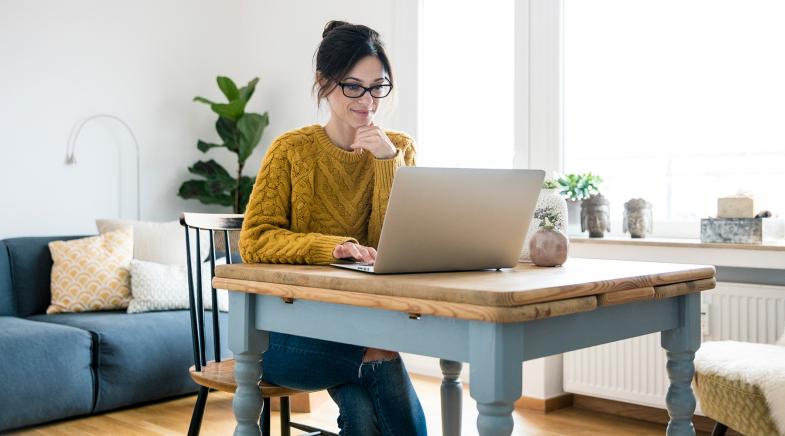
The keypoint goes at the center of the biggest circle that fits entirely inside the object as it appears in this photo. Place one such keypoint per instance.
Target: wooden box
(735, 207)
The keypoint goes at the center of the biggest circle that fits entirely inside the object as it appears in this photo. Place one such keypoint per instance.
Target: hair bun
(331, 25)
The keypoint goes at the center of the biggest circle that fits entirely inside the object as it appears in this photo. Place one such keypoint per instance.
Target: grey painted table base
(495, 352)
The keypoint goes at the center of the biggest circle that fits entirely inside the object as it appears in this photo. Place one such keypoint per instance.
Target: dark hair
(343, 45)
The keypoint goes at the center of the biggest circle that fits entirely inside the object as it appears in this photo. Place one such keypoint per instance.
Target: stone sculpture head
(596, 216)
(638, 218)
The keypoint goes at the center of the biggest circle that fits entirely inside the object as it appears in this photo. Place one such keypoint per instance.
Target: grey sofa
(64, 365)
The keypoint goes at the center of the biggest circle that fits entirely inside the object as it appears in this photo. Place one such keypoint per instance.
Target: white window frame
(538, 85)
(538, 78)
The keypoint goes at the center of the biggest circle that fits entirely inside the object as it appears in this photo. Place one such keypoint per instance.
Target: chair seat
(220, 376)
(735, 403)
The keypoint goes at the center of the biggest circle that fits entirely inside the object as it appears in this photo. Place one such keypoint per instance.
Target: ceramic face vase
(551, 200)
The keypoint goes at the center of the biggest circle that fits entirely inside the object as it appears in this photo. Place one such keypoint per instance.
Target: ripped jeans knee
(375, 354)
(374, 357)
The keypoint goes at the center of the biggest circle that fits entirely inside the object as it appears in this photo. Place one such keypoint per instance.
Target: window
(466, 84)
(678, 102)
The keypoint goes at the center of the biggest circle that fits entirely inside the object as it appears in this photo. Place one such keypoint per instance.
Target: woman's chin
(361, 123)
(361, 120)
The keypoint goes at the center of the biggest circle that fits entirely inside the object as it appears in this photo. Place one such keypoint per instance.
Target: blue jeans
(374, 398)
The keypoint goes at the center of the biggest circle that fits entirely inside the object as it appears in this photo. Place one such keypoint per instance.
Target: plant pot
(549, 247)
(573, 217)
(549, 198)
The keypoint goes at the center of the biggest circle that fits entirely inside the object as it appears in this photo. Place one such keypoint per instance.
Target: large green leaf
(215, 174)
(232, 110)
(204, 146)
(202, 191)
(247, 91)
(228, 131)
(228, 87)
(251, 127)
(203, 100)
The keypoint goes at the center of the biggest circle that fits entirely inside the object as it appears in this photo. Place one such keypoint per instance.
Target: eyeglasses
(355, 90)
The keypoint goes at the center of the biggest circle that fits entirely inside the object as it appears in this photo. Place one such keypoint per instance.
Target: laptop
(454, 219)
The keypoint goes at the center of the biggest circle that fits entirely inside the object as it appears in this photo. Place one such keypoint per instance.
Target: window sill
(676, 243)
(769, 255)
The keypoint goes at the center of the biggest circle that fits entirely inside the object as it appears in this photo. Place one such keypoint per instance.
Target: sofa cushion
(155, 286)
(140, 357)
(46, 372)
(29, 267)
(92, 273)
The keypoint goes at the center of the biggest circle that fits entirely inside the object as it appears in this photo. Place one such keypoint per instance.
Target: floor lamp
(70, 158)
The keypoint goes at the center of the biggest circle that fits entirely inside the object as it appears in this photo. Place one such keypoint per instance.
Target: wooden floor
(172, 417)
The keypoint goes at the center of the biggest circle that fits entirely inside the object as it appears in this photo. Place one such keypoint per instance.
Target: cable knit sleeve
(384, 173)
(265, 237)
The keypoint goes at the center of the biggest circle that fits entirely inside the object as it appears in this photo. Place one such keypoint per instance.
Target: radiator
(633, 370)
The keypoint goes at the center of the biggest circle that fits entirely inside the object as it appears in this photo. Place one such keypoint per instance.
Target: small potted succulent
(548, 246)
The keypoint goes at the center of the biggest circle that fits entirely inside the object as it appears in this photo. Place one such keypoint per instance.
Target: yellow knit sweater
(311, 195)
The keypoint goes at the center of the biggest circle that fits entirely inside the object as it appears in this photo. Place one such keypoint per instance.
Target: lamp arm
(70, 153)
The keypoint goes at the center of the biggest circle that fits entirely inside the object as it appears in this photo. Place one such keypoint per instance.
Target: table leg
(680, 345)
(452, 397)
(247, 344)
(496, 357)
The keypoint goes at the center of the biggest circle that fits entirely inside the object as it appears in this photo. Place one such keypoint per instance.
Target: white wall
(143, 61)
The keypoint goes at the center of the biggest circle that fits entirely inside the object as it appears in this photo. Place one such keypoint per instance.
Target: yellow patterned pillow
(92, 273)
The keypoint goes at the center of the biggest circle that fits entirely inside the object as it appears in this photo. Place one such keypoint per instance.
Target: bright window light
(466, 86)
(677, 101)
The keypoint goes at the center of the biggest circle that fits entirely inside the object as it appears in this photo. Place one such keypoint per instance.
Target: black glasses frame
(388, 86)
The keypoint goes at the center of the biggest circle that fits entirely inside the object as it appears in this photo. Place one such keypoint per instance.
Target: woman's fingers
(362, 253)
(355, 251)
(365, 256)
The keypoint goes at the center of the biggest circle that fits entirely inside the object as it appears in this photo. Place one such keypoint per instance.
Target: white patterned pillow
(159, 242)
(156, 286)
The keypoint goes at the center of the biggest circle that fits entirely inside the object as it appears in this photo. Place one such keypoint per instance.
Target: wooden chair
(218, 374)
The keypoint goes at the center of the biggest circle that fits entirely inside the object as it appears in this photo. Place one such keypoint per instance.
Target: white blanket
(759, 364)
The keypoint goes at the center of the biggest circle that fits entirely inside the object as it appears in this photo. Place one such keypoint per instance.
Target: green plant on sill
(240, 132)
(578, 187)
(548, 217)
(550, 184)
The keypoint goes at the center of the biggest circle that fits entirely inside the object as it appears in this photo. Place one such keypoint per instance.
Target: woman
(321, 195)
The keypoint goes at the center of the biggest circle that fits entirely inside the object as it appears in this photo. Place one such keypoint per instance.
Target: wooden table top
(522, 293)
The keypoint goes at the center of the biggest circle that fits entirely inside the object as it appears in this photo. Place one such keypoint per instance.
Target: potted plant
(550, 199)
(548, 245)
(240, 132)
(576, 188)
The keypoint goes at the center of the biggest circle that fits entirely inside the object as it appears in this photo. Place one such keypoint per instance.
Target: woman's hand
(350, 250)
(373, 139)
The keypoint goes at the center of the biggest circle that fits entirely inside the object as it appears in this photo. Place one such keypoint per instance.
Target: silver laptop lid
(456, 219)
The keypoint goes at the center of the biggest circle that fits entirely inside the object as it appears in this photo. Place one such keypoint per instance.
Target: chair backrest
(199, 223)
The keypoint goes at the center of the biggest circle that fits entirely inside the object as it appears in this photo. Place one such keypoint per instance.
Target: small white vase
(549, 198)
(574, 217)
